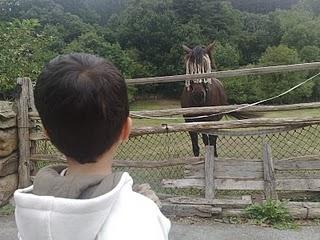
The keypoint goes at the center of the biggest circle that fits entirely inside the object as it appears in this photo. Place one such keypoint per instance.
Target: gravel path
(214, 231)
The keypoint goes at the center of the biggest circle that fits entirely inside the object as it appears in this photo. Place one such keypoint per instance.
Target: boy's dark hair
(83, 104)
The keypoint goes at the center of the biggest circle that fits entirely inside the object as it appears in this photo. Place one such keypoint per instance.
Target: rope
(231, 111)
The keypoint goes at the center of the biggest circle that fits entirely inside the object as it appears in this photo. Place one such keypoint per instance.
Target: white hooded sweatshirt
(120, 214)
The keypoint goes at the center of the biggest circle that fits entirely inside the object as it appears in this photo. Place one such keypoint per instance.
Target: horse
(204, 92)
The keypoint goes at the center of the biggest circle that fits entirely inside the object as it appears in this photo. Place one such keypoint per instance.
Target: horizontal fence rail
(221, 109)
(227, 74)
(208, 126)
(213, 109)
(233, 124)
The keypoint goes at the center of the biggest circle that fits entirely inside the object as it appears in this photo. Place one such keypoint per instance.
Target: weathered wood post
(269, 176)
(209, 172)
(23, 107)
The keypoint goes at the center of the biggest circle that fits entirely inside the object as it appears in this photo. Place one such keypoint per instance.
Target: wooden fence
(262, 173)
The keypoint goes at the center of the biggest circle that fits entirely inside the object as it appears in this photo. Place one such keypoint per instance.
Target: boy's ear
(126, 130)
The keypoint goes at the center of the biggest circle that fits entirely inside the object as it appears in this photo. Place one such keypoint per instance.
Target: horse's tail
(245, 115)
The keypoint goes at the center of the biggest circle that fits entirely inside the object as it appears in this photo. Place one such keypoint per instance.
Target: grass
(272, 213)
(6, 210)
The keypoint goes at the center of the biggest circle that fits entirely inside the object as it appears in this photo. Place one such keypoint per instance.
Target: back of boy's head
(83, 104)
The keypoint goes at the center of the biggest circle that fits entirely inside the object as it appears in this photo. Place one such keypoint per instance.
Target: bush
(272, 213)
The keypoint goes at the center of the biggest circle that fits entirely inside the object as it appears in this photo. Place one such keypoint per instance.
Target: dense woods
(144, 38)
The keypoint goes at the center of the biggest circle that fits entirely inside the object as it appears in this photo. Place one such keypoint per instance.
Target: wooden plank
(38, 136)
(32, 108)
(227, 74)
(269, 178)
(228, 168)
(235, 184)
(304, 210)
(184, 210)
(32, 105)
(223, 203)
(311, 162)
(298, 213)
(124, 163)
(232, 124)
(254, 131)
(209, 172)
(209, 127)
(309, 174)
(214, 109)
(23, 132)
(196, 111)
(221, 184)
(314, 213)
(298, 184)
(233, 213)
(303, 204)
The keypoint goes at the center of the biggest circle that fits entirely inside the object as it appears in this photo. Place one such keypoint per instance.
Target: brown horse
(204, 92)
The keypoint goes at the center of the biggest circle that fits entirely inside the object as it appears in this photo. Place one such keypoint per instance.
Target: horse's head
(198, 60)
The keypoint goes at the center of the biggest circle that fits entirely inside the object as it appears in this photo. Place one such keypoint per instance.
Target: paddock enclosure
(268, 158)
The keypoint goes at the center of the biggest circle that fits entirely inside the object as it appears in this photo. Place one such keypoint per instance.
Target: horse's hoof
(196, 154)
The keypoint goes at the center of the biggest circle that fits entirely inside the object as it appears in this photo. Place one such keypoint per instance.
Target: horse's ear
(210, 47)
(186, 48)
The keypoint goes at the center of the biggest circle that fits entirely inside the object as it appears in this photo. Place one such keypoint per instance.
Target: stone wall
(8, 152)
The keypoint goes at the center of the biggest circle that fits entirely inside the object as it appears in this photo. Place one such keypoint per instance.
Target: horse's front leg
(195, 145)
(213, 142)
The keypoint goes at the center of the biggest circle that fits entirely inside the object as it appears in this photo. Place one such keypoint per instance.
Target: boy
(83, 104)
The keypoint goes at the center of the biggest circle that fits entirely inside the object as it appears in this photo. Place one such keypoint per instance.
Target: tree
(226, 56)
(312, 6)
(275, 84)
(310, 54)
(93, 43)
(23, 52)
(303, 34)
(262, 6)
(258, 32)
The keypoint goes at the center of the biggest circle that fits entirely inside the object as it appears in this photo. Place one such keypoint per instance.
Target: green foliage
(279, 55)
(262, 6)
(272, 213)
(144, 38)
(7, 210)
(275, 84)
(92, 43)
(310, 54)
(312, 6)
(23, 51)
(226, 56)
(303, 34)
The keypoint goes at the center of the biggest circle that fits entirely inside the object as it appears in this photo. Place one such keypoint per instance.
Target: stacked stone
(8, 152)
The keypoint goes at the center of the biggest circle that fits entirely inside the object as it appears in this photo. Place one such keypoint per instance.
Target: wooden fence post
(269, 177)
(23, 106)
(209, 172)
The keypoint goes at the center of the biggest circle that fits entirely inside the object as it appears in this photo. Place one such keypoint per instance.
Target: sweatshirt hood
(43, 217)
(50, 182)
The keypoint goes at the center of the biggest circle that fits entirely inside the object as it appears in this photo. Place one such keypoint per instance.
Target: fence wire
(168, 146)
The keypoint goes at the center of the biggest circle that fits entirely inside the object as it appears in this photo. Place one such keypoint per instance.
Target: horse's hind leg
(195, 145)
(213, 142)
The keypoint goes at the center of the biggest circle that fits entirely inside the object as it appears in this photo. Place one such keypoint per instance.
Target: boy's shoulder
(140, 217)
